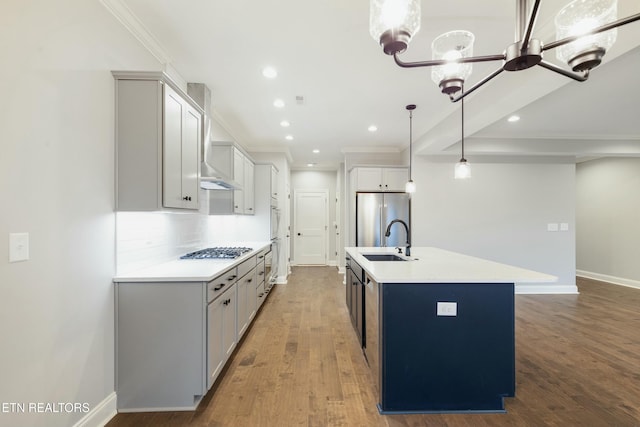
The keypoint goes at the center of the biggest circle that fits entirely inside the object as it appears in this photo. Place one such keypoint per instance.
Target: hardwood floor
(577, 364)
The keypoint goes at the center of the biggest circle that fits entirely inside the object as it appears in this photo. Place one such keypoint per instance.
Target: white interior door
(310, 222)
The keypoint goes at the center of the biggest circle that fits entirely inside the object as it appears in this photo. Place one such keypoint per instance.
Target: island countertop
(434, 265)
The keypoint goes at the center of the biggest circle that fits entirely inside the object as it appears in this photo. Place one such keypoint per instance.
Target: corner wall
(57, 184)
(607, 206)
(500, 214)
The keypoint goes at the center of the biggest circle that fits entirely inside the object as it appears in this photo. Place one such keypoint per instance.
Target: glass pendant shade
(393, 23)
(462, 169)
(451, 46)
(578, 17)
(410, 187)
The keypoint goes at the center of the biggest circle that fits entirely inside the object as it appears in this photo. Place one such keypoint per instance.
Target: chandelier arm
(574, 76)
(435, 62)
(532, 22)
(476, 86)
(606, 27)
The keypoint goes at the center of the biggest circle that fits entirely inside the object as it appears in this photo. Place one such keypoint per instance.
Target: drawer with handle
(224, 281)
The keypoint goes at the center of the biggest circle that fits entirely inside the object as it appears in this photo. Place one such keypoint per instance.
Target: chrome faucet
(406, 227)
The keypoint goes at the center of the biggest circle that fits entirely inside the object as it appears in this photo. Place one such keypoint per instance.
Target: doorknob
(299, 234)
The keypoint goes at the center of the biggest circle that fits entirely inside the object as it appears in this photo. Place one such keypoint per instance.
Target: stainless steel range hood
(213, 179)
(211, 176)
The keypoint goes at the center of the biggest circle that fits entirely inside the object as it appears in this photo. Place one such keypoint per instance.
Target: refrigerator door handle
(383, 239)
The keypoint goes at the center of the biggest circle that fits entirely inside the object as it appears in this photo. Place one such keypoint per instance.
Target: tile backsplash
(147, 238)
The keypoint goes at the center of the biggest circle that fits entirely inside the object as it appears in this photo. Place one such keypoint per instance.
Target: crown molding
(131, 22)
(369, 149)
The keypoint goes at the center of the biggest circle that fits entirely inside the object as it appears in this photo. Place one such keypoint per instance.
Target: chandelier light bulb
(579, 17)
(393, 23)
(452, 46)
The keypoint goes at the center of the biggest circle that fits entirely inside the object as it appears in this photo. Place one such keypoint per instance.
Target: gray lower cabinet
(174, 338)
(221, 323)
(160, 346)
(246, 294)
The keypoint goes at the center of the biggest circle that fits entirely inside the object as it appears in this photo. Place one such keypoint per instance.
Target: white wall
(607, 206)
(57, 184)
(318, 180)
(500, 214)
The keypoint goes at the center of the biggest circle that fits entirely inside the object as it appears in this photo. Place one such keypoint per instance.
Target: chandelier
(585, 29)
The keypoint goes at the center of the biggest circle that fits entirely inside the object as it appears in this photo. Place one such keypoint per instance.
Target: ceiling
(323, 52)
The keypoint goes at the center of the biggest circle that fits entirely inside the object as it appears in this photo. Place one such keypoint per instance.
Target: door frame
(325, 193)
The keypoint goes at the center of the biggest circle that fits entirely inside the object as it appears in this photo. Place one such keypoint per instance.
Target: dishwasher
(371, 346)
(355, 298)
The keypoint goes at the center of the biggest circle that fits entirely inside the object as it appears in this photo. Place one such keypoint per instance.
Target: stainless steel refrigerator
(374, 212)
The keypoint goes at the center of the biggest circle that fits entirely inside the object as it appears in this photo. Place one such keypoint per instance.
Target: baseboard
(544, 289)
(630, 283)
(341, 270)
(100, 414)
(333, 263)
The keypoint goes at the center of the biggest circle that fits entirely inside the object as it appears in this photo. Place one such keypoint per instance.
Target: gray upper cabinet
(158, 139)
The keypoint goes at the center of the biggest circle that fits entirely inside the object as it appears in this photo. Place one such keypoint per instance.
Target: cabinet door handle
(188, 198)
(220, 286)
(249, 280)
(260, 273)
(299, 234)
(250, 209)
(231, 277)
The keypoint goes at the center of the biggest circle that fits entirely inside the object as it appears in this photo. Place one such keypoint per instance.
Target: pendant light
(463, 168)
(410, 186)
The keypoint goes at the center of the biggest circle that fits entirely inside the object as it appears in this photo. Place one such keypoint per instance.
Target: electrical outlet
(447, 308)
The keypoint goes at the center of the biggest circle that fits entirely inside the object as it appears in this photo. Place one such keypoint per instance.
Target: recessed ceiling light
(513, 119)
(289, 138)
(270, 72)
(373, 128)
(285, 124)
(310, 164)
(316, 151)
(278, 103)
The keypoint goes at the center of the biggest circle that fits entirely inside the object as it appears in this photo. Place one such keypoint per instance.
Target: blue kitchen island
(439, 329)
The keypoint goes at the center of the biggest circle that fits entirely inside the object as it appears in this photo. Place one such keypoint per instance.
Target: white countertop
(433, 265)
(188, 270)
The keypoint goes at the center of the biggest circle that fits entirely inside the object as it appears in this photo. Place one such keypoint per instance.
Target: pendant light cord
(410, 140)
(462, 127)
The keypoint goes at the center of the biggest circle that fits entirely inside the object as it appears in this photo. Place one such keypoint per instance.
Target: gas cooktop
(217, 253)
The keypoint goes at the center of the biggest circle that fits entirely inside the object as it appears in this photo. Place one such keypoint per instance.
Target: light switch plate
(552, 226)
(18, 247)
(447, 308)
(564, 226)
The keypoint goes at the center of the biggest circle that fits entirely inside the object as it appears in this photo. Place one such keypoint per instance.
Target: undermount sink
(383, 257)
